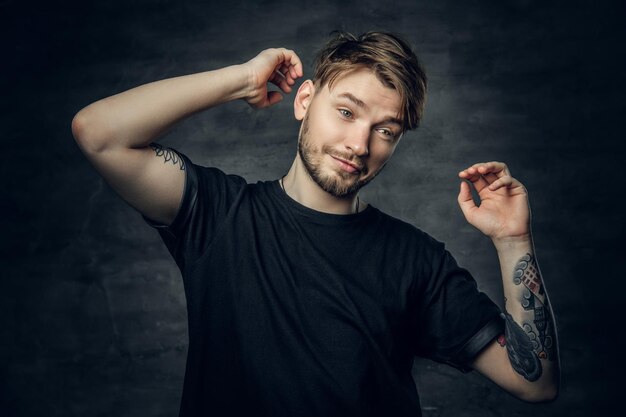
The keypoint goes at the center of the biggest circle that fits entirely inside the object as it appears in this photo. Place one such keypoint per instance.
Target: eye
(387, 134)
(346, 113)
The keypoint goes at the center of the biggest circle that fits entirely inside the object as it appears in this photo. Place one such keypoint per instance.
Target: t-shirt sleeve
(208, 195)
(455, 321)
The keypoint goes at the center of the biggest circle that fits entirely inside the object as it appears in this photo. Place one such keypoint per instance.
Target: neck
(299, 185)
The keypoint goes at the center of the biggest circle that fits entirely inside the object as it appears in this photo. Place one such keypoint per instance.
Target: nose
(358, 140)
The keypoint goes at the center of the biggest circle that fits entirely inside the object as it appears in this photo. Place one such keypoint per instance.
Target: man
(304, 300)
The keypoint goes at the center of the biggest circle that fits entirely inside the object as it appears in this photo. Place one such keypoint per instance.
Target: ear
(303, 99)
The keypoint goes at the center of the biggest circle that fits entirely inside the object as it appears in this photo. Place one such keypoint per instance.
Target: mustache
(353, 159)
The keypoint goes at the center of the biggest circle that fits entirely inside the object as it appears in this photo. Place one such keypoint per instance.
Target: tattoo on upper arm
(534, 339)
(168, 154)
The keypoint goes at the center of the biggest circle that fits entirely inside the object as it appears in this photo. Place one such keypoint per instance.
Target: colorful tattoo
(534, 339)
(169, 155)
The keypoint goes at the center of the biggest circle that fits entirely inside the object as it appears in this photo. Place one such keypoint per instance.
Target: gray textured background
(92, 307)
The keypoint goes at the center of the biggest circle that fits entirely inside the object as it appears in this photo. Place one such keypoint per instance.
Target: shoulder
(213, 173)
(408, 232)
(200, 176)
(424, 256)
(211, 181)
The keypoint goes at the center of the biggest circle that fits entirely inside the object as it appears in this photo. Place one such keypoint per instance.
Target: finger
(296, 63)
(499, 169)
(465, 199)
(465, 194)
(286, 71)
(292, 71)
(470, 172)
(476, 178)
(279, 81)
(506, 181)
(284, 85)
(290, 58)
(273, 97)
(490, 177)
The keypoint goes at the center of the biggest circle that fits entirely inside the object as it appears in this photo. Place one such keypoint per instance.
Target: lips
(347, 165)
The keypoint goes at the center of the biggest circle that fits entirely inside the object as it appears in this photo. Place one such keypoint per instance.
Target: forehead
(363, 88)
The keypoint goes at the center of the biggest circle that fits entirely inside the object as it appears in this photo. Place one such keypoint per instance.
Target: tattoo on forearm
(534, 339)
(169, 155)
(520, 349)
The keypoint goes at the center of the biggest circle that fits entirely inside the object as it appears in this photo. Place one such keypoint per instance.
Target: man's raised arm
(116, 133)
(525, 361)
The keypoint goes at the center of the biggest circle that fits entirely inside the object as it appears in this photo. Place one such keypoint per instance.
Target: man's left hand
(503, 212)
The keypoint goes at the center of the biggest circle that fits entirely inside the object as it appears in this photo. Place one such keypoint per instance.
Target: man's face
(349, 133)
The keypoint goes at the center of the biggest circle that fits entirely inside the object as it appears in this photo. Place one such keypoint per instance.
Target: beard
(336, 183)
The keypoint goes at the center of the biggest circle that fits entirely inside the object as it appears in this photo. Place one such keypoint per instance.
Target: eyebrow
(361, 104)
(353, 99)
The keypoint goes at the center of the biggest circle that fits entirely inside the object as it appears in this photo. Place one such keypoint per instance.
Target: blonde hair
(390, 58)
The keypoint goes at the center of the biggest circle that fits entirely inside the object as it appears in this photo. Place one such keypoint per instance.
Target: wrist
(513, 243)
(242, 81)
(217, 87)
(247, 81)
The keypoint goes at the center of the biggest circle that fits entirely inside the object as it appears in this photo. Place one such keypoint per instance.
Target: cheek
(328, 126)
(380, 152)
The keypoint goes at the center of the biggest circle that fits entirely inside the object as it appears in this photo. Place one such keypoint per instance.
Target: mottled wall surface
(92, 305)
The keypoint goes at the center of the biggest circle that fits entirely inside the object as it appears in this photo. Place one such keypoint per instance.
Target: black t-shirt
(294, 312)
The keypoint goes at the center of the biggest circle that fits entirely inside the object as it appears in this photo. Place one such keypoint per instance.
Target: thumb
(274, 97)
(466, 202)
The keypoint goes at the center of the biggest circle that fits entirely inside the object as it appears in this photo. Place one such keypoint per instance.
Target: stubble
(337, 183)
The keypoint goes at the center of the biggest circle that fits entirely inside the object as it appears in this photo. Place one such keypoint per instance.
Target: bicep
(151, 179)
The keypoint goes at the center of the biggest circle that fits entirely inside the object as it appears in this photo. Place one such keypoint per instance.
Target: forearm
(530, 334)
(135, 117)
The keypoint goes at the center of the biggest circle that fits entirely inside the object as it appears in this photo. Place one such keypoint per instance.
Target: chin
(340, 184)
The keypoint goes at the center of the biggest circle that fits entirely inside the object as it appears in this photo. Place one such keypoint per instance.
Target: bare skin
(345, 143)
(526, 361)
(115, 133)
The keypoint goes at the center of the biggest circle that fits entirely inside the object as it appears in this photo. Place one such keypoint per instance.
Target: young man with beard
(304, 300)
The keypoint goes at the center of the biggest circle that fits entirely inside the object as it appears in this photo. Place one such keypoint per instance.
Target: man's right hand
(279, 66)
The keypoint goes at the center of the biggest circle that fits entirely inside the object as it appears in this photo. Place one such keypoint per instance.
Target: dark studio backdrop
(91, 303)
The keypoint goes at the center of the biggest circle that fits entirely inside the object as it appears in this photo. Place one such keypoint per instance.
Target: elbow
(78, 127)
(539, 396)
(87, 134)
